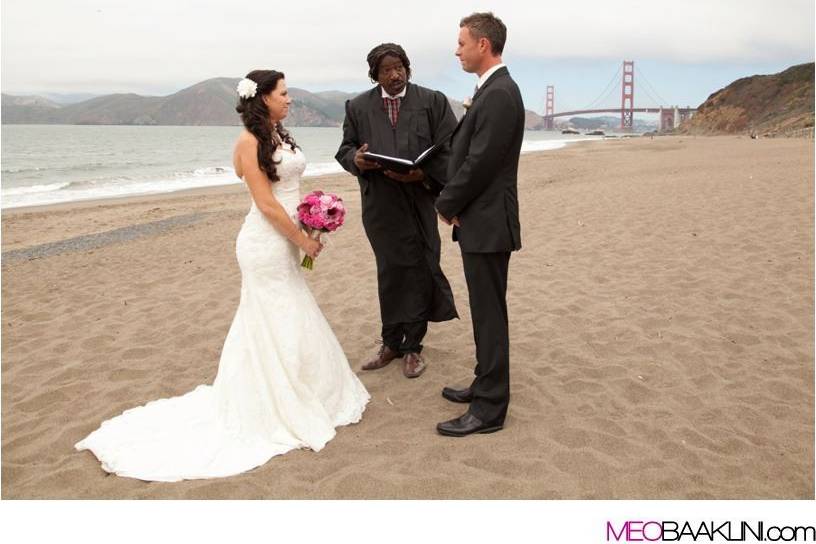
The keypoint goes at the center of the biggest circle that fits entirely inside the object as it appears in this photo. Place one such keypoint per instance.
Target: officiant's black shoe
(467, 424)
(458, 395)
(383, 357)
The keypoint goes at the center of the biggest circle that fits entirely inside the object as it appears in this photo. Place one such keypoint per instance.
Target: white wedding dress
(283, 380)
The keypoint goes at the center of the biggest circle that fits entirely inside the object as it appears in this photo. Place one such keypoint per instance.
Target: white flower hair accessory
(247, 88)
(467, 102)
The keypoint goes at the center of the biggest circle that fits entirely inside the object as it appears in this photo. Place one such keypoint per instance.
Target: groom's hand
(414, 175)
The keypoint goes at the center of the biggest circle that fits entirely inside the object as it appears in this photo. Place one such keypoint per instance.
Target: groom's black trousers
(486, 276)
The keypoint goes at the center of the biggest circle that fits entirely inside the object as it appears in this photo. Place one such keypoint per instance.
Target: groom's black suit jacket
(483, 169)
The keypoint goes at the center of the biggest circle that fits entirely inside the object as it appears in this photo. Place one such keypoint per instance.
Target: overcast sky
(685, 49)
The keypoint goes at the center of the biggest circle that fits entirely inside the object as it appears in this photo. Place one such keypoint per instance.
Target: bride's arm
(261, 191)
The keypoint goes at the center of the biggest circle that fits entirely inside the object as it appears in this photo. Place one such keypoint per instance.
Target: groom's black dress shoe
(465, 425)
(458, 395)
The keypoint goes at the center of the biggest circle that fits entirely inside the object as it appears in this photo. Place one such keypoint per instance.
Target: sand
(661, 327)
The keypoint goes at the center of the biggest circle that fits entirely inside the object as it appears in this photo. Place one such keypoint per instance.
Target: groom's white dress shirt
(488, 74)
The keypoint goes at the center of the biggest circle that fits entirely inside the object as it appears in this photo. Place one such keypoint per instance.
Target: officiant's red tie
(392, 106)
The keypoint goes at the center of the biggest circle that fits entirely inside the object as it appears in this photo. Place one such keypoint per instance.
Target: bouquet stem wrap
(308, 262)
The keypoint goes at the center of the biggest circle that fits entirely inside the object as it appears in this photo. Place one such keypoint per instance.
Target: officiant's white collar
(488, 74)
(401, 94)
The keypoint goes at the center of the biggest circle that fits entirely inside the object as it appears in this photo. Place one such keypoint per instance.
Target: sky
(683, 50)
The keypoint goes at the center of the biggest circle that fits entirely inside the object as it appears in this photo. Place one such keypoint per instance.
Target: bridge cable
(607, 89)
(613, 83)
(612, 93)
(663, 101)
(645, 90)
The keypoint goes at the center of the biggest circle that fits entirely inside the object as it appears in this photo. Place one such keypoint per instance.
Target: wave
(22, 170)
(530, 146)
(34, 189)
(93, 183)
(67, 168)
(38, 195)
(206, 176)
(209, 171)
(322, 169)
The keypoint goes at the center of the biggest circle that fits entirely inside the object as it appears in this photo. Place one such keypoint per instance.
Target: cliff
(764, 104)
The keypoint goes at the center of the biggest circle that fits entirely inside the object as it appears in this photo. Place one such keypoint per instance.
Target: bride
(283, 381)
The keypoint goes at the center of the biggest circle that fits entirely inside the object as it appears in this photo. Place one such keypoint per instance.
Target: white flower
(247, 88)
(467, 102)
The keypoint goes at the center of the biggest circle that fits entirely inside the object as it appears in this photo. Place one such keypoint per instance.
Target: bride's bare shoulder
(246, 140)
(246, 149)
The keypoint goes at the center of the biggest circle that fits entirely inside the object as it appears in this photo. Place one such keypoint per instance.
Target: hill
(208, 103)
(211, 103)
(765, 104)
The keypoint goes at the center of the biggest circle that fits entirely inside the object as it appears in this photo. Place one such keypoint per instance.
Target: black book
(401, 166)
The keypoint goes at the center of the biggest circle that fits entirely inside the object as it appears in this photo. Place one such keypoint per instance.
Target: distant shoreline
(318, 170)
(229, 188)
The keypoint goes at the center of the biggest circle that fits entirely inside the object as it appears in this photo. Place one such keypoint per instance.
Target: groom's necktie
(392, 106)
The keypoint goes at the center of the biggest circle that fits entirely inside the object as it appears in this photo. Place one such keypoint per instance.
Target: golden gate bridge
(669, 116)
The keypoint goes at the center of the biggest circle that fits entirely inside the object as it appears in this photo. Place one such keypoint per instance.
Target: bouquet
(320, 212)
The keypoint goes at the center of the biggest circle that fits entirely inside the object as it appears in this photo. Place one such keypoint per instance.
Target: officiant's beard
(395, 88)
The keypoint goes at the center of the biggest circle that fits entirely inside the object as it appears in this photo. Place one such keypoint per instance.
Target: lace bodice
(289, 170)
(258, 239)
(289, 166)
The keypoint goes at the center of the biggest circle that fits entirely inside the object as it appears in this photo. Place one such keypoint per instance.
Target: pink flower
(322, 211)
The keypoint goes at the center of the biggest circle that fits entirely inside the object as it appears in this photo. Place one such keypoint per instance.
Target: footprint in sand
(96, 342)
(137, 353)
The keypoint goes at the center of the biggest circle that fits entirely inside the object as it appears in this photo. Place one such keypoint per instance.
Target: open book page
(424, 154)
(373, 156)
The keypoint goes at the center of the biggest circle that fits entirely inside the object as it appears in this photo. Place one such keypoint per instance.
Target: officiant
(401, 119)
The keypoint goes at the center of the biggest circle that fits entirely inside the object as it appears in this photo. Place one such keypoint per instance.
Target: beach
(661, 328)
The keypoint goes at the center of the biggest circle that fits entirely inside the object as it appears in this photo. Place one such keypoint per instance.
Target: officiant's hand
(361, 162)
(414, 175)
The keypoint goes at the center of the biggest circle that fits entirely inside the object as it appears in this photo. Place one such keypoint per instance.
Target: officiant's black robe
(399, 218)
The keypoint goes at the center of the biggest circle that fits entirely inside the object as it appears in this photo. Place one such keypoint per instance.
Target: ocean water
(47, 164)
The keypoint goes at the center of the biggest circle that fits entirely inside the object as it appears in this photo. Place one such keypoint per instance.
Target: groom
(480, 200)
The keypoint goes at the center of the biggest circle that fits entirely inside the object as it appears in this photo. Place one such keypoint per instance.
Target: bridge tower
(685, 114)
(627, 95)
(549, 109)
(668, 118)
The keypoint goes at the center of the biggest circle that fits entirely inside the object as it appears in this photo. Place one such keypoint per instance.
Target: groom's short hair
(487, 25)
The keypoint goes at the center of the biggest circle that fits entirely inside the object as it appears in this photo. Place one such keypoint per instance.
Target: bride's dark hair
(255, 116)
